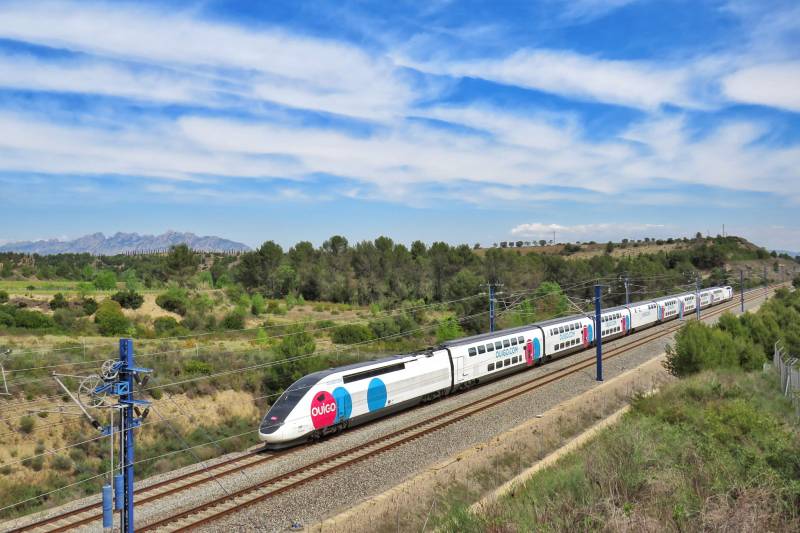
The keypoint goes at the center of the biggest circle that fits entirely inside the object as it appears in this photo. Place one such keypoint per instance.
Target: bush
(128, 299)
(26, 424)
(700, 347)
(25, 318)
(166, 326)
(60, 462)
(3, 297)
(64, 318)
(351, 334)
(448, 329)
(175, 300)
(89, 306)
(233, 320)
(197, 367)
(58, 301)
(6, 319)
(110, 320)
(257, 305)
(105, 280)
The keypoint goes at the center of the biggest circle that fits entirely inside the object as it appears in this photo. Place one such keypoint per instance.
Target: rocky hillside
(99, 244)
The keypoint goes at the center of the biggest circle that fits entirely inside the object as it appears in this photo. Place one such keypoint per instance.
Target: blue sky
(459, 121)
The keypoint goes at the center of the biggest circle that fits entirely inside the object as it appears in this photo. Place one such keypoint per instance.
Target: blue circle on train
(376, 395)
(344, 404)
(537, 350)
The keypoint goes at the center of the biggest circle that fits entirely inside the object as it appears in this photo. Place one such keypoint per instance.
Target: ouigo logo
(323, 409)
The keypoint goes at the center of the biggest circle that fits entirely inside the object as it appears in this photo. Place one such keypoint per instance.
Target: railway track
(213, 510)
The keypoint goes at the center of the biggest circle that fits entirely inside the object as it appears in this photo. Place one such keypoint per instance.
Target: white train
(332, 400)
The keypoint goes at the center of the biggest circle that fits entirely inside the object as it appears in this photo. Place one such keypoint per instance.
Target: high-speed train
(332, 400)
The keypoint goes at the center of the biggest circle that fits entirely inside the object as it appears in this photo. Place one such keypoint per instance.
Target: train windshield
(285, 404)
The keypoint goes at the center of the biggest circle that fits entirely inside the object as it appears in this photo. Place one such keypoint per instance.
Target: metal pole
(126, 376)
(598, 332)
(741, 287)
(697, 296)
(627, 292)
(491, 307)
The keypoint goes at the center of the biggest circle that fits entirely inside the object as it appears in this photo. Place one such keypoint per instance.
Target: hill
(119, 243)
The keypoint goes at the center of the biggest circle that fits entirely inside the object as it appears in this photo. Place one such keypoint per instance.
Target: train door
(529, 352)
(460, 373)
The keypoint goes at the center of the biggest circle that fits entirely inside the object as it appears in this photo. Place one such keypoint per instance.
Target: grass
(719, 451)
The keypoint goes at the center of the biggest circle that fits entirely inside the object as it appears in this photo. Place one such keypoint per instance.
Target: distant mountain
(99, 244)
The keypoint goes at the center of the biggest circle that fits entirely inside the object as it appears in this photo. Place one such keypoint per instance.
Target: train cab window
(506, 343)
(490, 347)
(513, 342)
(491, 367)
(472, 352)
(481, 349)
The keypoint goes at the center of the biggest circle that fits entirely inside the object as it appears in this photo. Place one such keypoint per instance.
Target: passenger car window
(490, 347)
(472, 351)
(506, 343)
(491, 367)
(521, 339)
(513, 342)
(498, 345)
(481, 349)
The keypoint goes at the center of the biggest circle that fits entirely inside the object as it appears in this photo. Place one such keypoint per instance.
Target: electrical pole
(697, 296)
(741, 287)
(492, 304)
(627, 291)
(598, 330)
(491, 308)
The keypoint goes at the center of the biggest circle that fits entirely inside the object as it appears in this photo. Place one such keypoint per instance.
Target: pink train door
(529, 352)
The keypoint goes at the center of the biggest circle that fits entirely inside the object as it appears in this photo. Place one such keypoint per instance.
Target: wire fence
(788, 368)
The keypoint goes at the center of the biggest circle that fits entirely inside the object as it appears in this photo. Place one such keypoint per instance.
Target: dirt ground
(473, 470)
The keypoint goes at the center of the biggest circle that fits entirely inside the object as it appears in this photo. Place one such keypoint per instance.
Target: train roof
(314, 377)
(490, 335)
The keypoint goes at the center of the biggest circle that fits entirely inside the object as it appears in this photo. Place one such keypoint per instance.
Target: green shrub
(128, 299)
(448, 329)
(197, 367)
(25, 318)
(351, 334)
(700, 347)
(3, 297)
(233, 320)
(64, 318)
(89, 306)
(110, 320)
(174, 299)
(166, 326)
(6, 319)
(60, 462)
(58, 301)
(26, 424)
(257, 304)
(105, 280)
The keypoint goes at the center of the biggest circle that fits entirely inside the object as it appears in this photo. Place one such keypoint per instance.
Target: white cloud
(773, 85)
(288, 69)
(639, 84)
(585, 10)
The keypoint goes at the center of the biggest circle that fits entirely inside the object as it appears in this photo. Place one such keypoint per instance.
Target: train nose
(271, 429)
